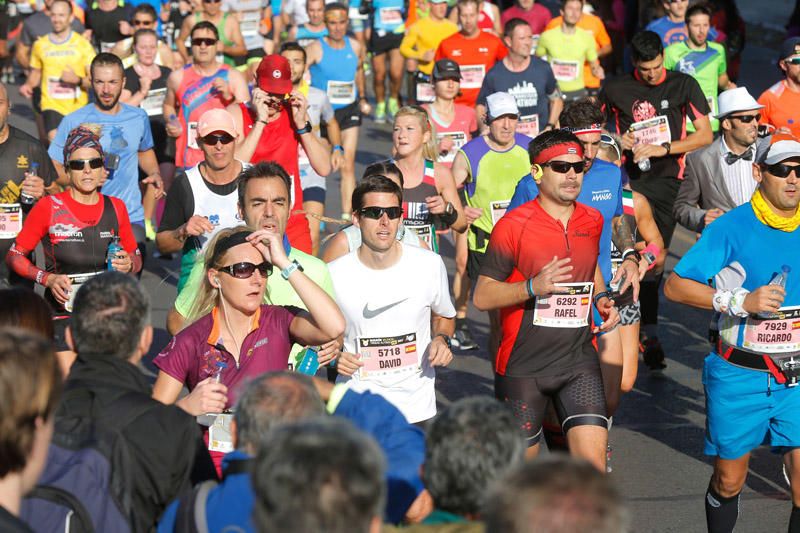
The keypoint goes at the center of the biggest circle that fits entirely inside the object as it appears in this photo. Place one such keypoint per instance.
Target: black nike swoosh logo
(372, 313)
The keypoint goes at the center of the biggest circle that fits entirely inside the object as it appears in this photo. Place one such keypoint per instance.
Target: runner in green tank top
(231, 43)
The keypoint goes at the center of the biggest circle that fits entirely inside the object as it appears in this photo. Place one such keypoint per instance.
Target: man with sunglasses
(202, 201)
(541, 273)
(191, 91)
(750, 375)
(719, 177)
(232, 47)
(782, 101)
(144, 18)
(399, 322)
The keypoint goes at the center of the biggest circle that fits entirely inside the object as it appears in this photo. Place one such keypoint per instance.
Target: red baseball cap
(273, 75)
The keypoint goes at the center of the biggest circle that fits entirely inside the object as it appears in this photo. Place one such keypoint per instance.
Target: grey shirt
(38, 25)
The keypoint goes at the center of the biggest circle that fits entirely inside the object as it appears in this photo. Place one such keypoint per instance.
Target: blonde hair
(207, 295)
(429, 149)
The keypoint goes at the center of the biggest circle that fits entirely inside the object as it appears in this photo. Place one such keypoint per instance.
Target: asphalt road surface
(658, 430)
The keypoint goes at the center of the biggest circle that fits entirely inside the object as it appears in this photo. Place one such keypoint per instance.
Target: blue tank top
(305, 36)
(335, 73)
(389, 16)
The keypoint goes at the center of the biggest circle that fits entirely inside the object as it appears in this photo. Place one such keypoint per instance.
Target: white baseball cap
(500, 104)
(734, 100)
(780, 151)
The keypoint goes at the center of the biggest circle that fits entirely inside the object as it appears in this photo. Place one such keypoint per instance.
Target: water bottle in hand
(114, 247)
(644, 165)
(778, 279)
(33, 170)
(309, 362)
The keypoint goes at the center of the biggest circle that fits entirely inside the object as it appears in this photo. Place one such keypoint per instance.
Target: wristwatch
(304, 129)
(449, 209)
(294, 265)
(338, 147)
(447, 340)
(667, 147)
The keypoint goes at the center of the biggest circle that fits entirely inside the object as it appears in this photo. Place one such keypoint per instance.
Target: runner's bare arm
(238, 85)
(492, 294)
(234, 34)
(556, 106)
(23, 55)
(180, 42)
(689, 292)
(246, 144)
(319, 154)
(460, 169)
(170, 99)
(361, 83)
(446, 185)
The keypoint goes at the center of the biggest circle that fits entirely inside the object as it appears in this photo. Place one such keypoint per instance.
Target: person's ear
(213, 277)
(756, 174)
(537, 172)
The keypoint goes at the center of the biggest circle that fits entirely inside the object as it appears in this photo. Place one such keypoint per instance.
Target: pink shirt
(537, 17)
(458, 130)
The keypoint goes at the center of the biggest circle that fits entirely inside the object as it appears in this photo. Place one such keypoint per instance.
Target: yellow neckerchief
(767, 216)
(303, 88)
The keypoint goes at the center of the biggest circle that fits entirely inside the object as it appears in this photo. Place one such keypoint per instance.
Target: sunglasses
(212, 140)
(746, 119)
(562, 167)
(245, 269)
(779, 170)
(793, 61)
(204, 41)
(80, 164)
(605, 138)
(212, 1)
(143, 22)
(376, 213)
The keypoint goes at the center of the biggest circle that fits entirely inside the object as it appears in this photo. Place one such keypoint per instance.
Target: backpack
(86, 484)
(191, 514)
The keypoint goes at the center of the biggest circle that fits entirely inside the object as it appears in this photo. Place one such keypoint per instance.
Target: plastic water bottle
(114, 247)
(221, 366)
(778, 279)
(27, 199)
(644, 165)
(173, 120)
(309, 363)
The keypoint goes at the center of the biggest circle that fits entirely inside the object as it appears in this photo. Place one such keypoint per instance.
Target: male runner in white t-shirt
(396, 301)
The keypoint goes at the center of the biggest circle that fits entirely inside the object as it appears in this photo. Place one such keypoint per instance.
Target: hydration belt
(785, 368)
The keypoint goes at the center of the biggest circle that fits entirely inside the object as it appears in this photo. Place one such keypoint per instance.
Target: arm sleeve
(407, 44)
(175, 359)
(698, 105)
(25, 36)
(601, 37)
(619, 210)
(147, 134)
(499, 262)
(56, 148)
(551, 85)
(591, 48)
(525, 191)
(723, 63)
(487, 88)
(708, 256)
(669, 58)
(541, 47)
(36, 59)
(442, 305)
(35, 226)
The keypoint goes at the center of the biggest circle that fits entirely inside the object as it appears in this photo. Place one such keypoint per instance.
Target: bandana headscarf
(767, 216)
(81, 137)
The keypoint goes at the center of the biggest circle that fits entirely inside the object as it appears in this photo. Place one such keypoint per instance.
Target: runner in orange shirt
(782, 100)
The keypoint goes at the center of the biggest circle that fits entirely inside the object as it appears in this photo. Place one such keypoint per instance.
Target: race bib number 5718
(383, 356)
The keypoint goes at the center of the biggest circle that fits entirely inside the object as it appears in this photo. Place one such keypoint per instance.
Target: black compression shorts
(577, 395)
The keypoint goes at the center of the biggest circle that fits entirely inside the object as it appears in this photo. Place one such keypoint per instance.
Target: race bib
(780, 334)
(253, 41)
(567, 310)
(498, 208)
(391, 16)
(153, 103)
(58, 90)
(191, 136)
(77, 280)
(425, 92)
(10, 220)
(459, 139)
(565, 70)
(425, 233)
(472, 76)
(651, 131)
(383, 356)
(341, 92)
(528, 125)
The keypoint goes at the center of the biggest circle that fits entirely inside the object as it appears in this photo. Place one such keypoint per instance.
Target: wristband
(338, 147)
(604, 294)
(304, 129)
(722, 301)
(529, 288)
(737, 301)
(294, 265)
(630, 252)
(264, 122)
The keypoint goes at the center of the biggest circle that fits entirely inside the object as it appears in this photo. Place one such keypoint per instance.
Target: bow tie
(731, 158)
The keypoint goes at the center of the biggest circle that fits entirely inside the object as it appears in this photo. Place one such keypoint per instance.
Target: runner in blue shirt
(750, 374)
(672, 26)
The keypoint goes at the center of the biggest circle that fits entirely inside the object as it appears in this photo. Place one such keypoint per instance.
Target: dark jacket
(166, 446)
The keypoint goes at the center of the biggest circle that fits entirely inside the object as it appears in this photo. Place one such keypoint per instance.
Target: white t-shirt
(388, 314)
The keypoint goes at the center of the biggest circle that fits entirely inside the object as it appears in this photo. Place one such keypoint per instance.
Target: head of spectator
(61, 16)
(571, 12)
(319, 475)
(468, 13)
(216, 133)
(30, 386)
(111, 319)
(468, 448)
(557, 166)
(316, 12)
(556, 494)
(145, 45)
(413, 134)
(83, 160)
(789, 59)
(336, 21)
(385, 168)
(108, 80)
(585, 119)
(647, 54)
(698, 23)
(778, 175)
(204, 38)
(296, 56)
(144, 17)
(518, 38)
(502, 115)
(21, 307)
(378, 212)
(610, 150)
(269, 400)
(446, 79)
(739, 116)
(264, 196)
(675, 9)
(274, 81)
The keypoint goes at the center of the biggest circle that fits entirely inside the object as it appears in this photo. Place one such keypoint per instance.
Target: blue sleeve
(525, 192)
(487, 88)
(551, 85)
(167, 522)
(147, 134)
(619, 210)
(710, 254)
(56, 149)
(713, 34)
(402, 443)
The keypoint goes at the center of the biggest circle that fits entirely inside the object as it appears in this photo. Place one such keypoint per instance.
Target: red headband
(566, 148)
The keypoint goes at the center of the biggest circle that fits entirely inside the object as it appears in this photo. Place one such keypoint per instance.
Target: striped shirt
(738, 176)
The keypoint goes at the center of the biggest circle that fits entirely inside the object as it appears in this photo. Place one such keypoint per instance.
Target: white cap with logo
(500, 104)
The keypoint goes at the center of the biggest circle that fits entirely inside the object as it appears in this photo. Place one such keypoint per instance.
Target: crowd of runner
(555, 146)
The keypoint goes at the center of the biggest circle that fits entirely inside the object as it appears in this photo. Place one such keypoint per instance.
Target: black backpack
(86, 483)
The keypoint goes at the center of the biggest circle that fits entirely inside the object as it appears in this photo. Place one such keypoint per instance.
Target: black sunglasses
(143, 22)
(746, 119)
(562, 167)
(793, 61)
(245, 269)
(212, 139)
(80, 164)
(779, 170)
(376, 213)
(207, 41)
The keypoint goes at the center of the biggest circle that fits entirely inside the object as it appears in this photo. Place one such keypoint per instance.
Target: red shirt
(537, 17)
(475, 56)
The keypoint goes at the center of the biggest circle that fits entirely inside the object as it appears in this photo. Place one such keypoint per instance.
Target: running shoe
(653, 354)
(380, 113)
(394, 106)
(462, 339)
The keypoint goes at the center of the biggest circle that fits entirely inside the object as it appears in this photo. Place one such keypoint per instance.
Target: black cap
(790, 47)
(445, 69)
